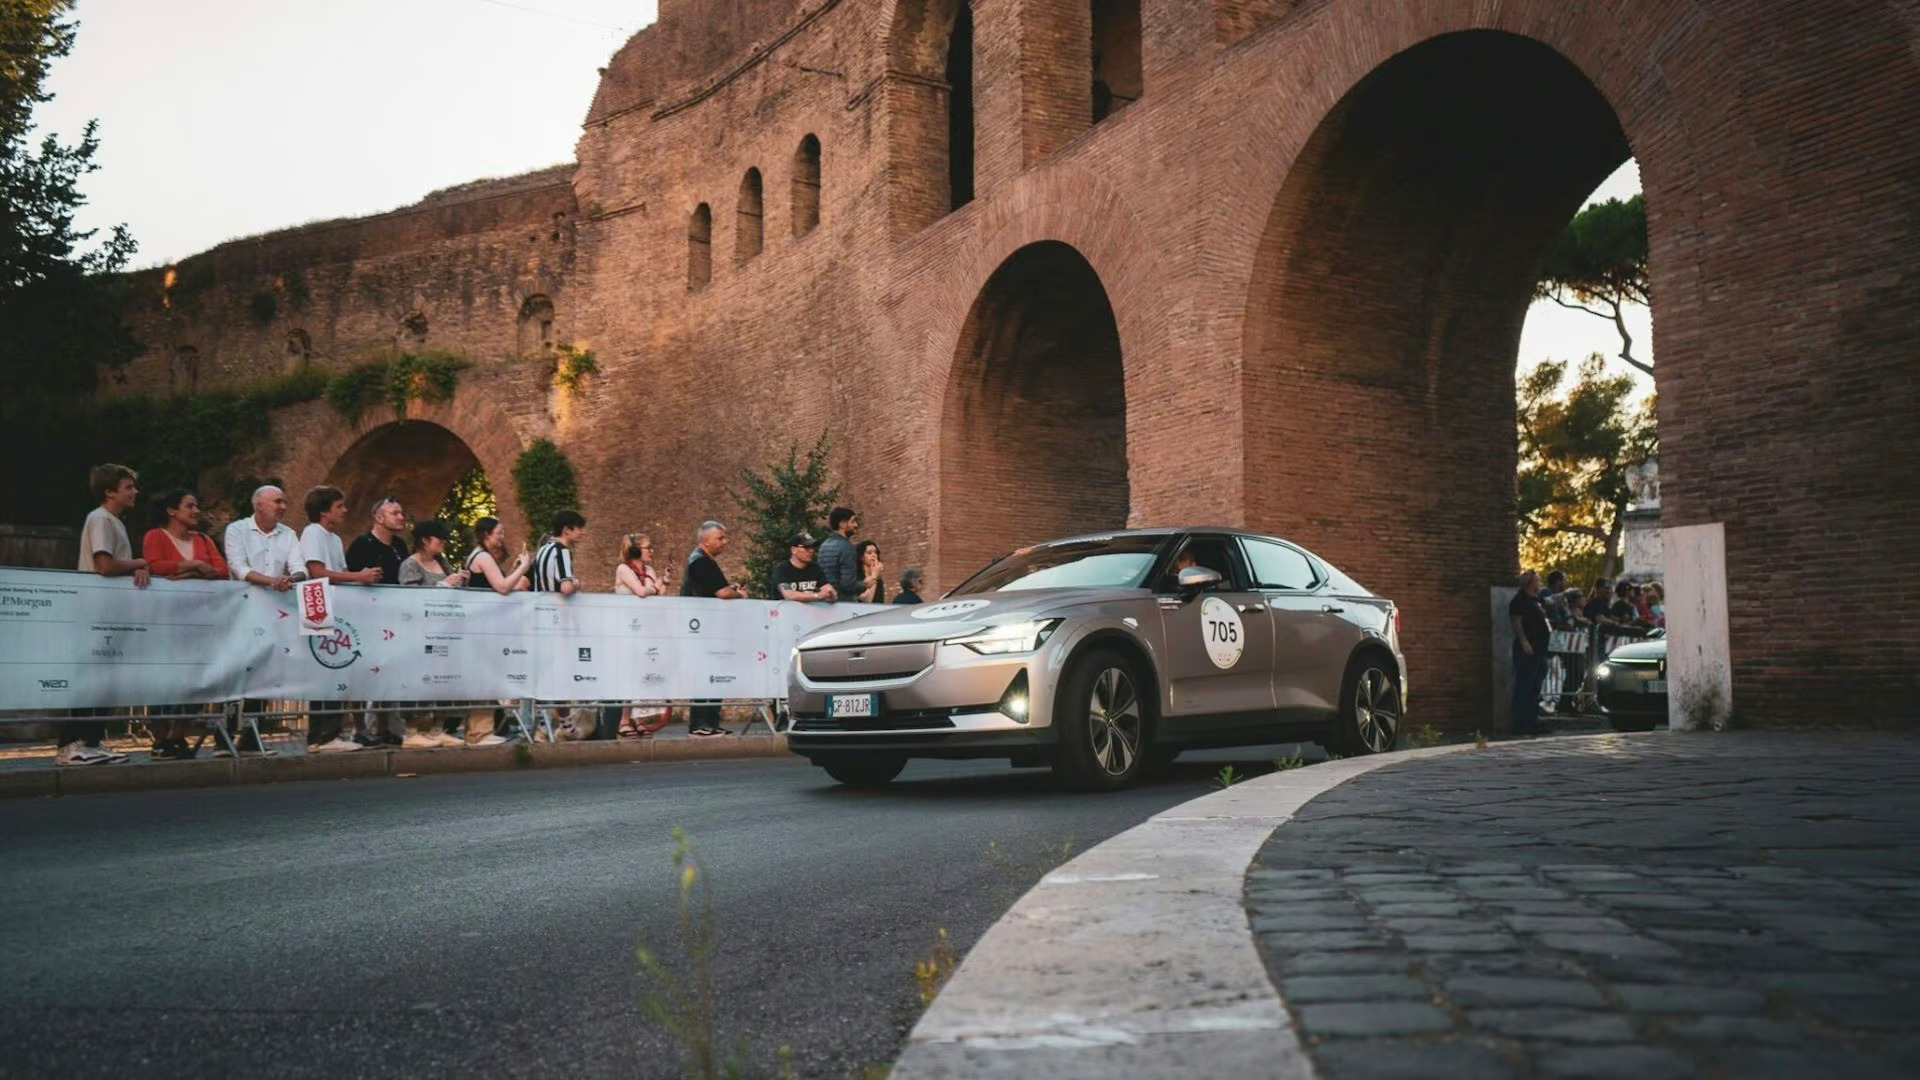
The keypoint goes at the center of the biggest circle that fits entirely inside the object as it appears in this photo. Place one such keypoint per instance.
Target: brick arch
(447, 437)
(1393, 274)
(1079, 212)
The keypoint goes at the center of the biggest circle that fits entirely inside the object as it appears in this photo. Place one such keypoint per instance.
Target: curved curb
(1135, 959)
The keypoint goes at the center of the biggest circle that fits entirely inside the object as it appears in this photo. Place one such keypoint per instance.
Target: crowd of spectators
(1591, 621)
(262, 550)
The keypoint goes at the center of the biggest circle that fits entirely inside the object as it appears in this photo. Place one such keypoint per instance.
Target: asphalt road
(486, 924)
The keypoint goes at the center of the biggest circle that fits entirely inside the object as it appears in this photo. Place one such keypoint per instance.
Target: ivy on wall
(397, 380)
(543, 481)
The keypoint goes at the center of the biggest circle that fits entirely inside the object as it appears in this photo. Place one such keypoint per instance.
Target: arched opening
(412, 333)
(929, 113)
(299, 348)
(1117, 79)
(1382, 323)
(416, 461)
(534, 333)
(1033, 438)
(184, 376)
(806, 186)
(700, 247)
(748, 233)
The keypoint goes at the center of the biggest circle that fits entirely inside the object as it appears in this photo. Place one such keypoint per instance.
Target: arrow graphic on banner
(385, 635)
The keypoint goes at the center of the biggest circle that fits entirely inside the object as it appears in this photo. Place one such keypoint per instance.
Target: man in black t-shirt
(797, 578)
(1530, 634)
(705, 578)
(383, 547)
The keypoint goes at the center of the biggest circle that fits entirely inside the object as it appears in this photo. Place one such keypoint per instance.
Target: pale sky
(229, 118)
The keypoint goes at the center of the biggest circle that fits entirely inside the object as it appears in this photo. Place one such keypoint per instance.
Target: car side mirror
(1195, 580)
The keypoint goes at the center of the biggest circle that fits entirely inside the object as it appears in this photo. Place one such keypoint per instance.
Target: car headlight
(1008, 638)
(1602, 671)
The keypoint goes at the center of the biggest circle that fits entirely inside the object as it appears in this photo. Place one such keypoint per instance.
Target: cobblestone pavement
(1644, 906)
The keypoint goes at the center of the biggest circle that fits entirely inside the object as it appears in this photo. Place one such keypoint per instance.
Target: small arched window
(806, 186)
(700, 247)
(413, 330)
(299, 348)
(535, 325)
(185, 374)
(1117, 80)
(748, 235)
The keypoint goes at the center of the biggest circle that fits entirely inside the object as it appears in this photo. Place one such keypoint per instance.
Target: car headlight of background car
(1603, 671)
(1019, 637)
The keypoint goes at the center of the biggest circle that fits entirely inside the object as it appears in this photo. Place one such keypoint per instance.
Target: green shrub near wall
(543, 482)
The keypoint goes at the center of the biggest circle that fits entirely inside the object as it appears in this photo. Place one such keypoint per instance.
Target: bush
(543, 482)
(791, 496)
(351, 391)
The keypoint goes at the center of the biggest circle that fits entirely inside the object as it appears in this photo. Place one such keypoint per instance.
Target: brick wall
(1314, 303)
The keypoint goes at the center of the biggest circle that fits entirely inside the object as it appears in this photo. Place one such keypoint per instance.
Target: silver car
(1104, 656)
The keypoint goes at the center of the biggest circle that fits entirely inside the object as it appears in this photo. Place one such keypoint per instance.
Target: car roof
(1162, 531)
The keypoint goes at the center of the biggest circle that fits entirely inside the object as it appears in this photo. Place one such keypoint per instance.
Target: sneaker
(443, 738)
(336, 746)
(112, 754)
(418, 741)
(491, 740)
(78, 753)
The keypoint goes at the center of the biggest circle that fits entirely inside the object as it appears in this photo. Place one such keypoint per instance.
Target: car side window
(1277, 566)
(1216, 553)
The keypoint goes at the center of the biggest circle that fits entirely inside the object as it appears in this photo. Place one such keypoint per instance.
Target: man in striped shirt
(553, 564)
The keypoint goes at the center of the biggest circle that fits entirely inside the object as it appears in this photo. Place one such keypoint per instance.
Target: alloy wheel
(1113, 722)
(1376, 711)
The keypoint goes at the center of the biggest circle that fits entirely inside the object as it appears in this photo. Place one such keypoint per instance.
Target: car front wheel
(1369, 720)
(1103, 723)
(866, 771)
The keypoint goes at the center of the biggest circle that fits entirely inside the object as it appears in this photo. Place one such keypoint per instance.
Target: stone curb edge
(368, 764)
(1136, 958)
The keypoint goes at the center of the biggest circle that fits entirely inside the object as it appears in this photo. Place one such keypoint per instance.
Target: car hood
(1652, 649)
(957, 616)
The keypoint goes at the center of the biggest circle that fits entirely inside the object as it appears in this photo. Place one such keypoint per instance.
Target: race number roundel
(1221, 630)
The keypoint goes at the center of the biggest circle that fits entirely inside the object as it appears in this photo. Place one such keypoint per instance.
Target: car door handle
(1329, 609)
(1243, 608)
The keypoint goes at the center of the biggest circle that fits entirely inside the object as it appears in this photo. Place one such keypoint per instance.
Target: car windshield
(1106, 563)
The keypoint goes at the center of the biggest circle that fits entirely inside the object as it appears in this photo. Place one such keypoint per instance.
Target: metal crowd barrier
(1571, 657)
(530, 720)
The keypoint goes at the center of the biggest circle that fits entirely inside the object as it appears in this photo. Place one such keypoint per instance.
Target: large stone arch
(1733, 155)
(1076, 211)
(370, 459)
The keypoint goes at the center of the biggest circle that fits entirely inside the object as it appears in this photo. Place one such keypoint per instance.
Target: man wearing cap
(797, 578)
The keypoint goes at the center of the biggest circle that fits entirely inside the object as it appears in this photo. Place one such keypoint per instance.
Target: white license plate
(850, 705)
(1656, 686)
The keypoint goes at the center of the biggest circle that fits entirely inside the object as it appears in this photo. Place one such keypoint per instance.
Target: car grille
(866, 663)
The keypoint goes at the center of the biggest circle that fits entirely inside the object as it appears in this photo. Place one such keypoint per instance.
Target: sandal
(629, 731)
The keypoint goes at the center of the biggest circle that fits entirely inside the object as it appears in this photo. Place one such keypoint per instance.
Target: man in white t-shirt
(104, 550)
(262, 550)
(324, 556)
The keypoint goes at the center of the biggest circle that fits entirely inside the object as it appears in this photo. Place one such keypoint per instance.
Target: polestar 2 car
(1104, 656)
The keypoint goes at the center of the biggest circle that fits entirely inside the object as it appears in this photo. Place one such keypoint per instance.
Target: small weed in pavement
(1013, 876)
(1227, 777)
(1422, 737)
(681, 998)
(1479, 741)
(932, 972)
(1291, 761)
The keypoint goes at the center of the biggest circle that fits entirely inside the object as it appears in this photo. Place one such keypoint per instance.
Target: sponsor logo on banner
(585, 678)
(514, 676)
(52, 685)
(586, 654)
(438, 650)
(336, 648)
(653, 654)
(315, 599)
(720, 678)
(693, 626)
(654, 678)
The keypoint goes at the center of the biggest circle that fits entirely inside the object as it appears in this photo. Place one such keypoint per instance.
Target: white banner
(73, 640)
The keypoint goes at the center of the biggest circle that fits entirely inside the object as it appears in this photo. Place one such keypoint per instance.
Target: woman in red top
(174, 548)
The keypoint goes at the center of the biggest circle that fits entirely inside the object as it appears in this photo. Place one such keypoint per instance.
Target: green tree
(469, 500)
(789, 496)
(62, 316)
(543, 480)
(1574, 453)
(1599, 266)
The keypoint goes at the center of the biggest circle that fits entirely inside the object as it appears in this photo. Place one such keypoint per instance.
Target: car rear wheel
(866, 771)
(1369, 720)
(1103, 723)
